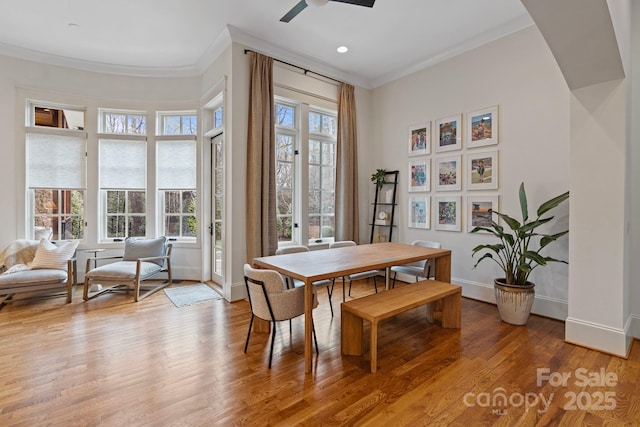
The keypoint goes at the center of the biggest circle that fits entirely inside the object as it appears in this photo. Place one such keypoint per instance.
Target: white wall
(519, 74)
(634, 275)
(596, 291)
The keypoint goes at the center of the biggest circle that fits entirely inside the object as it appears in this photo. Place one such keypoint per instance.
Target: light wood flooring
(113, 362)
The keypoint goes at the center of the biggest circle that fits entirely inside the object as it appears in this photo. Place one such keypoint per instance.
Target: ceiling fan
(303, 4)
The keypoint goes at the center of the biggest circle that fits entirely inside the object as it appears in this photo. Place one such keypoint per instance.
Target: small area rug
(191, 294)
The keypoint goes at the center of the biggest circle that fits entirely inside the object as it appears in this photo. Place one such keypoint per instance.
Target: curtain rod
(298, 67)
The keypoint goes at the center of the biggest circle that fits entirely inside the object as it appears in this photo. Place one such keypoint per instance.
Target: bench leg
(452, 311)
(374, 347)
(351, 334)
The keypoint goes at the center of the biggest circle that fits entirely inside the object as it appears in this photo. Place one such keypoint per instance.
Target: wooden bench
(384, 305)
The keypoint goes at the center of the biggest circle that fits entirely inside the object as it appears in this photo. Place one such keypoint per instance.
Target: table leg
(443, 268)
(386, 278)
(308, 325)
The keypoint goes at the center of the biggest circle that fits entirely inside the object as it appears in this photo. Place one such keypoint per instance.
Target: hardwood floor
(113, 362)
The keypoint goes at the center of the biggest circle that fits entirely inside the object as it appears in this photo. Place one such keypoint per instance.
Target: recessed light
(73, 24)
(342, 49)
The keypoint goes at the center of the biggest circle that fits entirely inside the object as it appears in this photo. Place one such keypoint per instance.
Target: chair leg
(273, 340)
(343, 294)
(315, 338)
(393, 285)
(375, 284)
(330, 305)
(350, 287)
(246, 344)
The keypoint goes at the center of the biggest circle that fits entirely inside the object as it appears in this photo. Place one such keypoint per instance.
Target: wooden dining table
(316, 265)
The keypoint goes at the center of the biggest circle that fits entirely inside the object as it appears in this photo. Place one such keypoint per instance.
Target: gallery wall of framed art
(461, 169)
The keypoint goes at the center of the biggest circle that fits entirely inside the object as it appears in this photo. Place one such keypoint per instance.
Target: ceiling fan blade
(367, 3)
(294, 11)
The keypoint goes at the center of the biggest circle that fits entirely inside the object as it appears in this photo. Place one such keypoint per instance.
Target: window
(286, 135)
(314, 211)
(56, 171)
(217, 118)
(176, 174)
(123, 123)
(322, 173)
(177, 124)
(123, 180)
(123, 174)
(218, 204)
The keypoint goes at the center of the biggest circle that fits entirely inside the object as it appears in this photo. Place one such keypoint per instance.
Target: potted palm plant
(518, 255)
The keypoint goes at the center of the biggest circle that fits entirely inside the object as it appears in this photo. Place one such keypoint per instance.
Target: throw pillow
(143, 248)
(49, 255)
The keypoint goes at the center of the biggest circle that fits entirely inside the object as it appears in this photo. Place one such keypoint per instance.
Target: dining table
(315, 265)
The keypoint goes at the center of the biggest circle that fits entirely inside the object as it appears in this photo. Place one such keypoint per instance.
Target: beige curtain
(262, 239)
(347, 221)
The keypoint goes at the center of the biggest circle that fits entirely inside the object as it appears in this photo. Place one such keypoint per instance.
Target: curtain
(261, 229)
(347, 221)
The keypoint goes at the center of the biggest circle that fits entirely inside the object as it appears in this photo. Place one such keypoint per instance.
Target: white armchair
(142, 260)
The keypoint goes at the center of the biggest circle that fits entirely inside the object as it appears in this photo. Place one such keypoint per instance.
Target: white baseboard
(635, 326)
(237, 292)
(543, 306)
(600, 337)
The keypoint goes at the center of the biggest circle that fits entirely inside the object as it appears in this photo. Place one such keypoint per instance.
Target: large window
(56, 171)
(123, 174)
(305, 159)
(176, 173)
(322, 173)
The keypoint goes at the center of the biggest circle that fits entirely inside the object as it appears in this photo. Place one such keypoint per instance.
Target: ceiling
(170, 37)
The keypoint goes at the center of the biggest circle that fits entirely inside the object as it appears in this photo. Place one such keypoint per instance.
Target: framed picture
(419, 175)
(419, 212)
(448, 171)
(449, 133)
(482, 171)
(479, 210)
(481, 127)
(420, 139)
(447, 210)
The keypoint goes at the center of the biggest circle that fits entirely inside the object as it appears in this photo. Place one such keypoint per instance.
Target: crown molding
(510, 27)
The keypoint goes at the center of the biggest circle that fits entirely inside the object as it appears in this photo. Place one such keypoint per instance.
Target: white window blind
(56, 161)
(123, 164)
(176, 162)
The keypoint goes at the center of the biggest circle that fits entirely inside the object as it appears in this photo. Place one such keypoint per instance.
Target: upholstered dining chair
(424, 268)
(142, 260)
(355, 276)
(270, 300)
(295, 283)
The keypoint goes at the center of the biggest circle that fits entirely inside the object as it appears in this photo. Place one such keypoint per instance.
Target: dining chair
(271, 301)
(296, 283)
(418, 269)
(354, 276)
